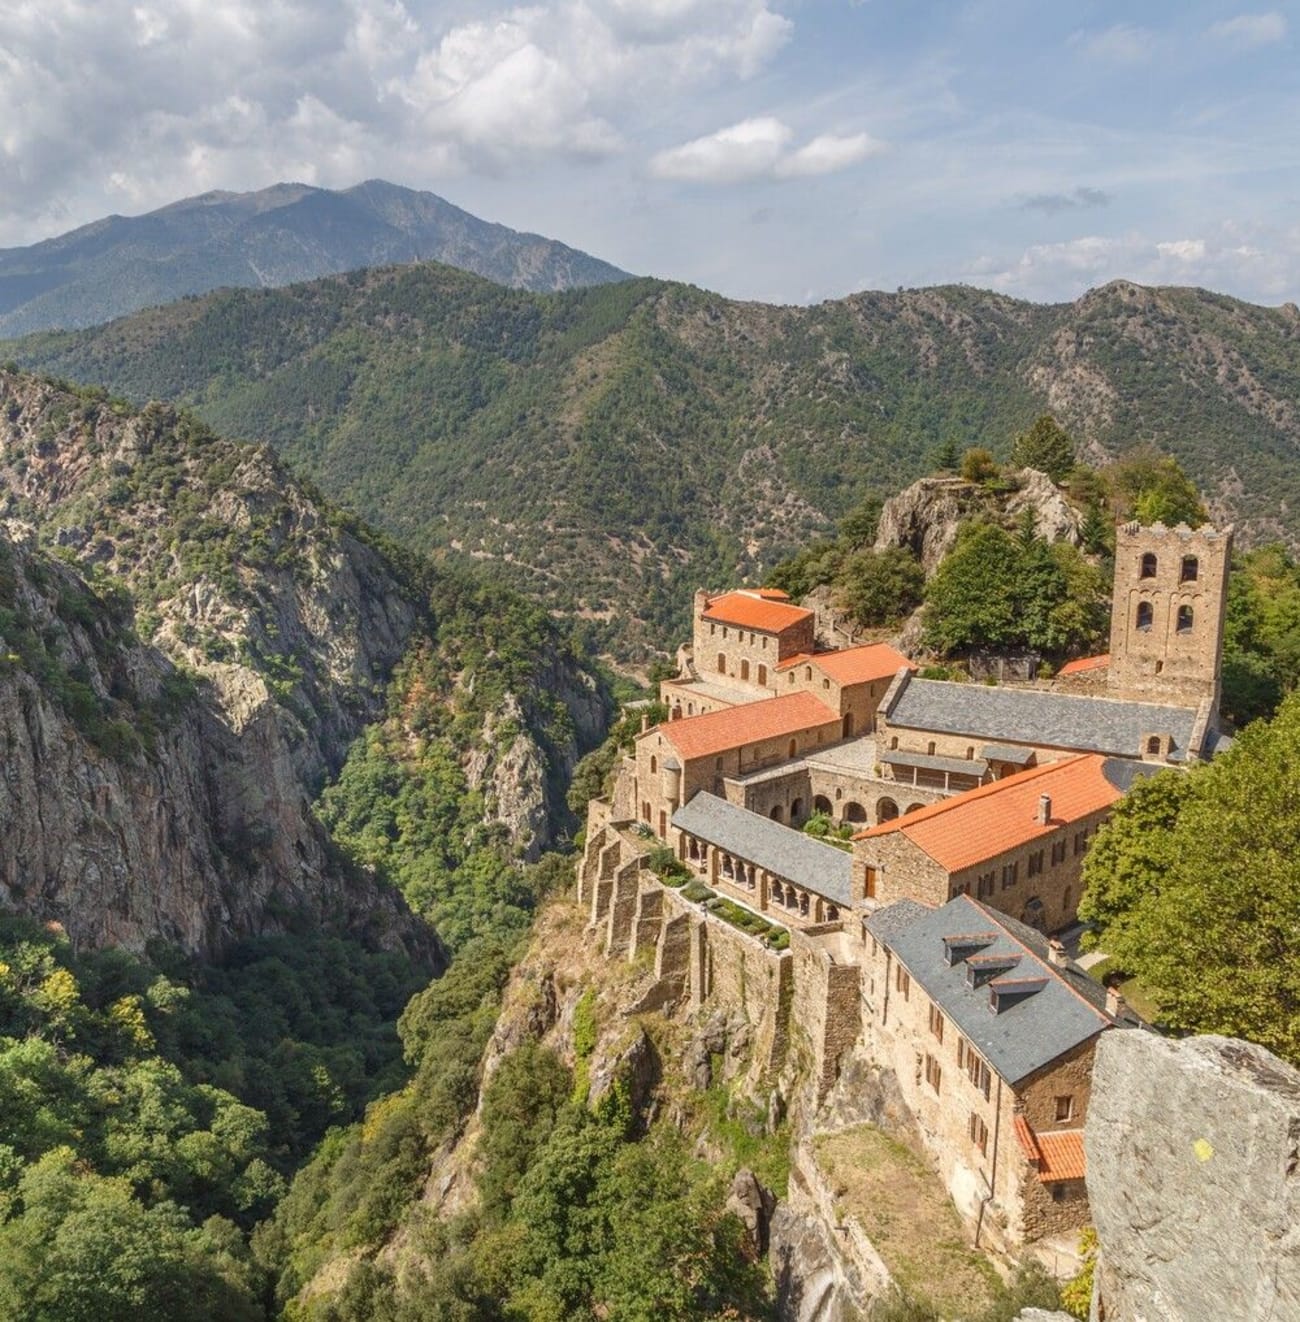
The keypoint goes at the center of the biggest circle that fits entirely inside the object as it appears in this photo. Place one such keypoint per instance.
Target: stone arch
(886, 810)
(854, 812)
(821, 804)
(1146, 615)
(913, 807)
(777, 814)
(832, 913)
(744, 669)
(796, 812)
(1190, 571)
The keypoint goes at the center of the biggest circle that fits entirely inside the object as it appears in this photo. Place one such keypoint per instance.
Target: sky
(783, 150)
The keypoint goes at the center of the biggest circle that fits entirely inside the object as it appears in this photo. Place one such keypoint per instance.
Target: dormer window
(1148, 566)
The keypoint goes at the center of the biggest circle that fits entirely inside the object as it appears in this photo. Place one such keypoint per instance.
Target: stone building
(990, 1032)
(676, 760)
(1016, 844)
(783, 874)
(1167, 611)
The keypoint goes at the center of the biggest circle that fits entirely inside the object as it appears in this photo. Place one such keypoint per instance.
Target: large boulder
(1194, 1179)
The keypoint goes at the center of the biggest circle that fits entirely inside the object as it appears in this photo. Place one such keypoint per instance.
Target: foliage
(994, 590)
(978, 465)
(1261, 637)
(1152, 488)
(1045, 446)
(1192, 886)
(1076, 1293)
(880, 587)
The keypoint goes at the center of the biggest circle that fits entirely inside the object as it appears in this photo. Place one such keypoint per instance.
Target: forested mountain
(613, 447)
(271, 237)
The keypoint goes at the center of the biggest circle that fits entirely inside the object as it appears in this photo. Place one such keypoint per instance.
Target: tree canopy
(1194, 884)
(1047, 447)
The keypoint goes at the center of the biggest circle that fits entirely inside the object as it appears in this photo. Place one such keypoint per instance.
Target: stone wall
(827, 998)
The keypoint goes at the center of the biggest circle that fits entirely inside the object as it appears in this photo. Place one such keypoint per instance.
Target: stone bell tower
(1166, 628)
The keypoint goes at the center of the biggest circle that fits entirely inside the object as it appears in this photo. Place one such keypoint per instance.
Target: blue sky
(789, 150)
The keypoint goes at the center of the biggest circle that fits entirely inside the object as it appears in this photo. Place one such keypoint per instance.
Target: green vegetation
(1192, 887)
(148, 1118)
(1045, 446)
(999, 591)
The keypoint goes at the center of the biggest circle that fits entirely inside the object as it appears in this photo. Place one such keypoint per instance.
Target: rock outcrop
(1194, 1180)
(925, 517)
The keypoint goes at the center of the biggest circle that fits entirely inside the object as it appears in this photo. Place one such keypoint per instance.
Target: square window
(1065, 1108)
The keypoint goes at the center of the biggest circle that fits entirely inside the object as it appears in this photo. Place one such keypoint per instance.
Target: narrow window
(722, 663)
(793, 747)
(1153, 745)
(807, 673)
(1036, 863)
(936, 1023)
(1148, 569)
(979, 1133)
(902, 981)
(1065, 1108)
(1145, 615)
(1185, 618)
(744, 670)
(933, 1072)
(654, 764)
(762, 673)
(929, 748)
(1010, 875)
(1190, 571)
(1058, 851)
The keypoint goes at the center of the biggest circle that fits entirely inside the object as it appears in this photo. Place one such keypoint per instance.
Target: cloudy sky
(791, 150)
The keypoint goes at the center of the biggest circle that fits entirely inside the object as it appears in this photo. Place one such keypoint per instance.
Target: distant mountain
(277, 236)
(614, 447)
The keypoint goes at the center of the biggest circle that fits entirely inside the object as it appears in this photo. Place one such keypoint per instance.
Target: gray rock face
(1194, 1180)
(814, 1283)
(752, 1204)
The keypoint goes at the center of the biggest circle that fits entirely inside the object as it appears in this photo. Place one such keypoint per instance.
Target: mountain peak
(278, 235)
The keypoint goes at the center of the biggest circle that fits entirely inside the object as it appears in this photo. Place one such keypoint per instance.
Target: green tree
(1047, 447)
(858, 527)
(880, 587)
(971, 600)
(1152, 488)
(978, 465)
(1193, 883)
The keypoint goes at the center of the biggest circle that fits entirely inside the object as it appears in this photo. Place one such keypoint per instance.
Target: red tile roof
(756, 609)
(1085, 664)
(854, 665)
(770, 718)
(1057, 1154)
(969, 828)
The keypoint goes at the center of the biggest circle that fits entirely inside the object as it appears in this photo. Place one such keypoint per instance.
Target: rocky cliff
(1194, 1180)
(193, 641)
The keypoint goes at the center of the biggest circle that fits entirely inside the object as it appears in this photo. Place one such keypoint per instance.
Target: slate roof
(965, 766)
(1030, 1032)
(778, 849)
(1020, 757)
(756, 610)
(981, 824)
(1032, 716)
(734, 727)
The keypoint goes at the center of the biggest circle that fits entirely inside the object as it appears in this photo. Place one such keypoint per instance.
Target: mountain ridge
(274, 236)
(613, 447)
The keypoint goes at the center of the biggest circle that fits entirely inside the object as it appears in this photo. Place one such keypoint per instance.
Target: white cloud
(1264, 261)
(1123, 43)
(144, 101)
(1249, 30)
(759, 148)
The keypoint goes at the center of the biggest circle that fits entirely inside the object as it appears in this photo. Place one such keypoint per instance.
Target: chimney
(1044, 809)
(1056, 955)
(1115, 1006)
(645, 722)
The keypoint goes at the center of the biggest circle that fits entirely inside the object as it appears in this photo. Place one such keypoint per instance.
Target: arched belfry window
(1145, 615)
(1191, 570)
(1148, 569)
(1185, 618)
(1153, 744)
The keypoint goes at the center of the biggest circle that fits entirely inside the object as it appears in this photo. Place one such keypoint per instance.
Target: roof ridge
(1107, 1021)
(933, 810)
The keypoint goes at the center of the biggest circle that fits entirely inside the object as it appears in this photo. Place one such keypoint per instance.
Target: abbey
(927, 943)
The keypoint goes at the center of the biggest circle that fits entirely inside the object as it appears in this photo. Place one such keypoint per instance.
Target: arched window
(796, 812)
(654, 764)
(913, 807)
(744, 670)
(826, 683)
(886, 810)
(821, 804)
(1185, 617)
(762, 673)
(807, 672)
(794, 747)
(776, 813)
(728, 866)
(970, 752)
(854, 812)
(1153, 744)
(929, 748)
(1148, 569)
(893, 741)
(1146, 614)
(1191, 570)
(846, 726)
(722, 663)
(803, 903)
(832, 913)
